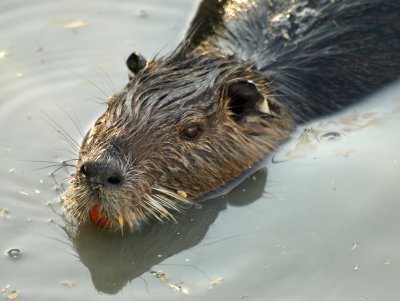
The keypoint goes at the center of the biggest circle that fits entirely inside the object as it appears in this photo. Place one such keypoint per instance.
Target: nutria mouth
(229, 95)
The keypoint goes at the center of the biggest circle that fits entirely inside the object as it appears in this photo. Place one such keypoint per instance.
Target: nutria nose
(101, 173)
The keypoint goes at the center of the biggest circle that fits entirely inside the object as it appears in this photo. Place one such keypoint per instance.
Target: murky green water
(321, 223)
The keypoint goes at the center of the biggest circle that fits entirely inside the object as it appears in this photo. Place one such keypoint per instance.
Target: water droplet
(14, 253)
(331, 137)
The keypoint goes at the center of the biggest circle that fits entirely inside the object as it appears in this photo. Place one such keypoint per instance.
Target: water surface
(321, 223)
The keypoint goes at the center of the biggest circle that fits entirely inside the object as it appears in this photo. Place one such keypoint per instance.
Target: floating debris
(4, 53)
(67, 283)
(9, 294)
(19, 75)
(12, 170)
(5, 289)
(142, 13)
(13, 295)
(160, 275)
(387, 262)
(37, 191)
(355, 245)
(4, 213)
(356, 268)
(75, 24)
(121, 220)
(180, 289)
(285, 36)
(175, 287)
(182, 193)
(23, 192)
(215, 282)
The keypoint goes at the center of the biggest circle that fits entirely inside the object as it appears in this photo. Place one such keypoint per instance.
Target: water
(320, 222)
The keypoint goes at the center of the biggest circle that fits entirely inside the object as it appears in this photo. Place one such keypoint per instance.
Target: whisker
(92, 83)
(58, 183)
(155, 204)
(108, 79)
(149, 208)
(74, 121)
(61, 181)
(173, 194)
(51, 162)
(54, 165)
(165, 203)
(56, 126)
(59, 168)
(186, 266)
(97, 100)
(68, 151)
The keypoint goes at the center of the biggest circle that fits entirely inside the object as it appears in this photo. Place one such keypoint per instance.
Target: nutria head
(185, 125)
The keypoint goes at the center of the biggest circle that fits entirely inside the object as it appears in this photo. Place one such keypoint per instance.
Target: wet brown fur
(147, 147)
(139, 137)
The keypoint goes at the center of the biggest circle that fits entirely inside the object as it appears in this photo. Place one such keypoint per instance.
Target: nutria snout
(232, 91)
(99, 174)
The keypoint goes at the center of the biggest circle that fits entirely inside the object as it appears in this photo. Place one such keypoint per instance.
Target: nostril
(83, 170)
(114, 180)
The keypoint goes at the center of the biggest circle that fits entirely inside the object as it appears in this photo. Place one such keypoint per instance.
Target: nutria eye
(191, 132)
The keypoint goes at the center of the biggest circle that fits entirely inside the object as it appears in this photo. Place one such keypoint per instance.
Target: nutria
(244, 76)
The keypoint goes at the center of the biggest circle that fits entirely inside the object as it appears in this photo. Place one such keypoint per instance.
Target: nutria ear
(245, 99)
(135, 63)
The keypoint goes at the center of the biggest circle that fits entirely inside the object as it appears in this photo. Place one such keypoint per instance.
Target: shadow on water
(114, 259)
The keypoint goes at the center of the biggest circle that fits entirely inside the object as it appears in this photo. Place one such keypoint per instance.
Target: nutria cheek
(97, 217)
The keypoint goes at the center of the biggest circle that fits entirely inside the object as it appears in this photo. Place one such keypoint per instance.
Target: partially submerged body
(244, 76)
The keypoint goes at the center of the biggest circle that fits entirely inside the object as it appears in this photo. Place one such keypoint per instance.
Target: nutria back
(319, 55)
(231, 92)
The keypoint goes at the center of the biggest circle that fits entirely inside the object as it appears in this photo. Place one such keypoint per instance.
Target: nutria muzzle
(101, 174)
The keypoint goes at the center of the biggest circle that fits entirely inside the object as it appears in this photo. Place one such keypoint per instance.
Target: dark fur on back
(231, 93)
(320, 55)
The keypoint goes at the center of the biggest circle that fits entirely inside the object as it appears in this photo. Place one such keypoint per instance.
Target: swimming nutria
(234, 89)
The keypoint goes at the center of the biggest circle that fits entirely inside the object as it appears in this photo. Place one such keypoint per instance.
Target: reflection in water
(113, 260)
